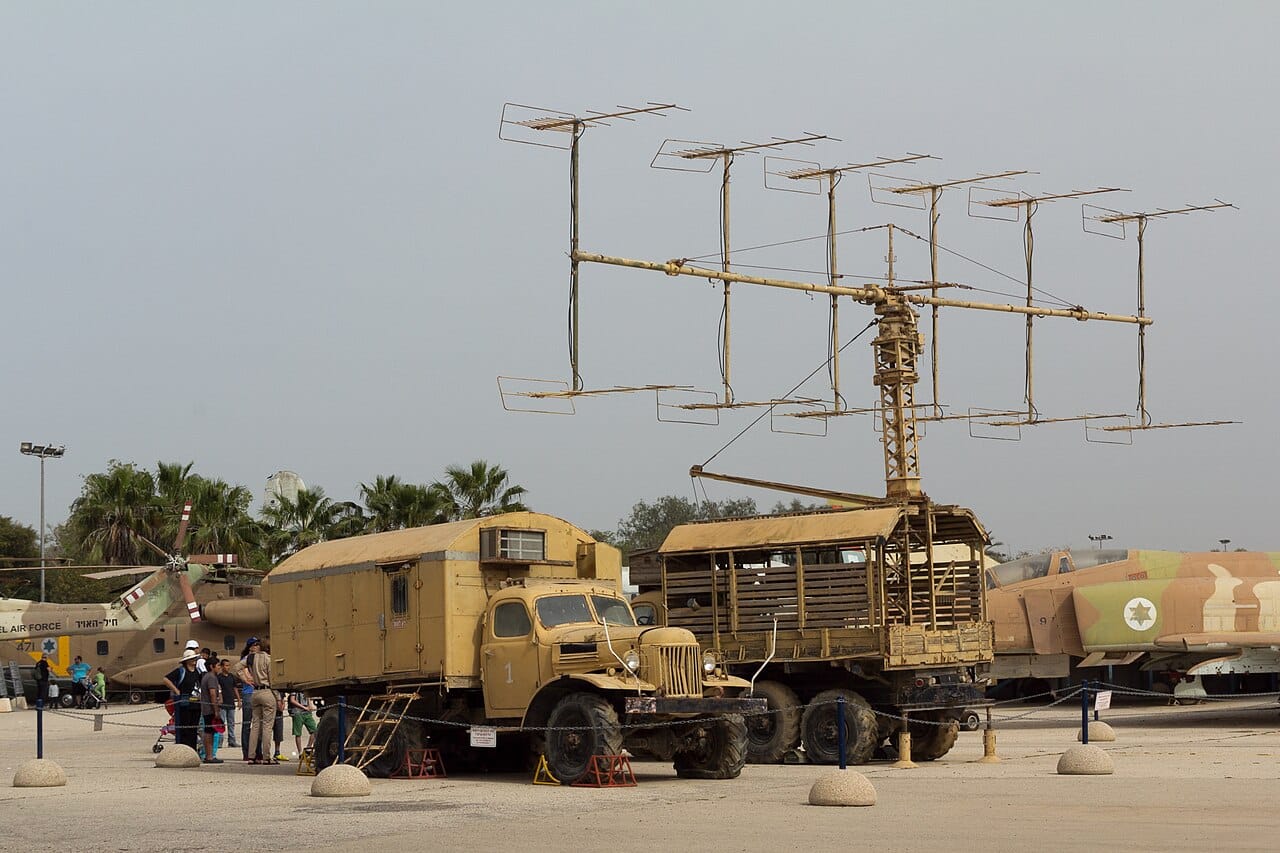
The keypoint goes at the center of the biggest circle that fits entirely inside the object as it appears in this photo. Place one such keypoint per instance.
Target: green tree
(481, 490)
(19, 546)
(649, 523)
(795, 505)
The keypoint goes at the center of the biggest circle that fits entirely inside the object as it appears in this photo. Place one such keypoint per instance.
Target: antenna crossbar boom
(870, 294)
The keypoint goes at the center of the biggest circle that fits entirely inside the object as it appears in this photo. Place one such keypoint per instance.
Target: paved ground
(1186, 778)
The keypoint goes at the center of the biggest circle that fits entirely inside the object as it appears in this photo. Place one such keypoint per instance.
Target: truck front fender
(539, 709)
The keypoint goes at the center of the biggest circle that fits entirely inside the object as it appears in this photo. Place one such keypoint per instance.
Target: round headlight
(632, 660)
(708, 662)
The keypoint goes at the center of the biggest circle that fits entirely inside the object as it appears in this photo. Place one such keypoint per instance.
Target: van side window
(510, 619)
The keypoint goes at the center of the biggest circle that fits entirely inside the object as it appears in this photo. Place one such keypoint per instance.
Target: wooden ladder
(375, 726)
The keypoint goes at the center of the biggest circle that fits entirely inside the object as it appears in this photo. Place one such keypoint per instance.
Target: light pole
(43, 451)
(1099, 538)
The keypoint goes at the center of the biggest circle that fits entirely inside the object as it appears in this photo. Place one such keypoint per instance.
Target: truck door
(510, 660)
(399, 619)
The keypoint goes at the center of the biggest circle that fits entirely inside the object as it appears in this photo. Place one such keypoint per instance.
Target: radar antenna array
(898, 343)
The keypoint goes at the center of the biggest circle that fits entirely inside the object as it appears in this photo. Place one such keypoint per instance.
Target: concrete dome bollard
(842, 788)
(39, 773)
(1100, 731)
(341, 780)
(1085, 759)
(177, 756)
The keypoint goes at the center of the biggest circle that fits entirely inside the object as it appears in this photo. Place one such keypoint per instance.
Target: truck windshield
(612, 611)
(556, 610)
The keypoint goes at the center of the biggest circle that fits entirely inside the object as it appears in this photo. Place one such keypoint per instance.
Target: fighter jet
(1186, 614)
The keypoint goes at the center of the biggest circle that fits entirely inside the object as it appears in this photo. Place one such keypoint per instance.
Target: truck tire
(719, 755)
(770, 736)
(325, 752)
(934, 736)
(581, 725)
(137, 697)
(820, 727)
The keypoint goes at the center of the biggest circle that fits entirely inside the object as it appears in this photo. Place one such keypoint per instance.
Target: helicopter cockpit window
(1024, 569)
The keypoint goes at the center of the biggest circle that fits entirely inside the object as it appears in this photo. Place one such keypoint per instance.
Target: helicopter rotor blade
(193, 609)
(181, 538)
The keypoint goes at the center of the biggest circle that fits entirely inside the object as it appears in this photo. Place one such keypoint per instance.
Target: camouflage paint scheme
(1198, 613)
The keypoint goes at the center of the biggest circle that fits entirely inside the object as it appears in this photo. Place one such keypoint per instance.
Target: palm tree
(220, 520)
(394, 505)
(293, 524)
(114, 516)
(480, 490)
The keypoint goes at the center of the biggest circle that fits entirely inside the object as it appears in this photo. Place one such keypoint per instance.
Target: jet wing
(1218, 641)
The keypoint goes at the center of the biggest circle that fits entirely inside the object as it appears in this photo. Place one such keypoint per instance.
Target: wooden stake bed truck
(884, 606)
(513, 621)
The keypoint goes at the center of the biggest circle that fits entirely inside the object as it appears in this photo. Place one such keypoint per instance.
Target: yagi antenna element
(1027, 206)
(933, 192)
(788, 175)
(687, 156)
(1105, 222)
(557, 129)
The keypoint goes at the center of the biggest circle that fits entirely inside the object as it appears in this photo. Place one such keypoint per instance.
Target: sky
(288, 236)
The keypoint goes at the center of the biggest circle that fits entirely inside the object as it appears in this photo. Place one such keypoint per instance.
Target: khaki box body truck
(884, 606)
(515, 622)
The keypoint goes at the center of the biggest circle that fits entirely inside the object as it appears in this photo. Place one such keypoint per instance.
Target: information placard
(1103, 700)
(484, 736)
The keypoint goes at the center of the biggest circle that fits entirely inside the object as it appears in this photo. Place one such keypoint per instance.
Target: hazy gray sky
(264, 236)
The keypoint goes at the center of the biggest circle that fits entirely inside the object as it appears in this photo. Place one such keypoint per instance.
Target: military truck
(515, 623)
(884, 606)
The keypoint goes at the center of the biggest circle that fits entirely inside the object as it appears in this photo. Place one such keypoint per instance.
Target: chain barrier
(1057, 698)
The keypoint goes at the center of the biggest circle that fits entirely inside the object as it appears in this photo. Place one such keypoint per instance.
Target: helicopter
(31, 629)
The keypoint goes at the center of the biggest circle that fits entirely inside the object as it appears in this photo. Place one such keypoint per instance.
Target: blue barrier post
(840, 728)
(342, 729)
(39, 727)
(1084, 712)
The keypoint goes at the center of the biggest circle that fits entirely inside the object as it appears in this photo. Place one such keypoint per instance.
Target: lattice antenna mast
(795, 171)
(1028, 205)
(687, 156)
(934, 192)
(1115, 217)
(525, 124)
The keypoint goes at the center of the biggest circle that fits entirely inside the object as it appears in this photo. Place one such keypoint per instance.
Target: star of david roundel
(1140, 614)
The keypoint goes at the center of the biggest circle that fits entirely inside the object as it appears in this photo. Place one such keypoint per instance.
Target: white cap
(192, 644)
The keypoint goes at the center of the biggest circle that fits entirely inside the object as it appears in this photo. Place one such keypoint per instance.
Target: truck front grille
(676, 670)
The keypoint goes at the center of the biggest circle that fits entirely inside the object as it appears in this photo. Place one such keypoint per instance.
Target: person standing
(42, 680)
(183, 684)
(304, 717)
(230, 698)
(100, 685)
(79, 672)
(210, 712)
(264, 703)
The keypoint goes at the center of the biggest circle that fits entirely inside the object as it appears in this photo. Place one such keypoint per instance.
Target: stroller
(169, 729)
(92, 698)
